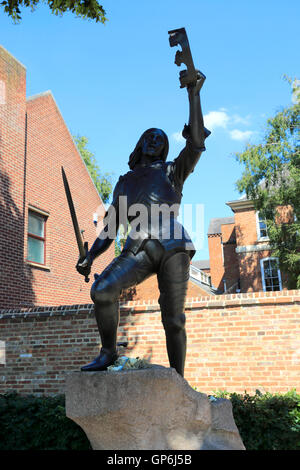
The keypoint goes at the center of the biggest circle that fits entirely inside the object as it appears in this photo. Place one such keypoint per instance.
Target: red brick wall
(228, 233)
(223, 259)
(235, 342)
(250, 272)
(50, 146)
(15, 281)
(245, 227)
(231, 266)
(148, 290)
(216, 261)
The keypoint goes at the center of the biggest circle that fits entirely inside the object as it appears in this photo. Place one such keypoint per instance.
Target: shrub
(266, 421)
(38, 423)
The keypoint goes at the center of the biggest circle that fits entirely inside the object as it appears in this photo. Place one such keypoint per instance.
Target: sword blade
(81, 248)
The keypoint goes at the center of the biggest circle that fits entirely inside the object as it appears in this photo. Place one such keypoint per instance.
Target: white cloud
(177, 136)
(236, 134)
(221, 119)
(237, 119)
(216, 119)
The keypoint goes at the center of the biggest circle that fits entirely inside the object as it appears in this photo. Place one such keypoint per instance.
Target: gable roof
(201, 264)
(215, 224)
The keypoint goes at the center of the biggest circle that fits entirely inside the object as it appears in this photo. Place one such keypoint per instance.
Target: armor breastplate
(151, 187)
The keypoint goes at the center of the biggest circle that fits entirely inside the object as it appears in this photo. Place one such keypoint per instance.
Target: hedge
(38, 423)
(265, 422)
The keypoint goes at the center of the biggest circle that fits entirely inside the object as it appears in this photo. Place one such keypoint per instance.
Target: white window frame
(42, 214)
(263, 273)
(259, 237)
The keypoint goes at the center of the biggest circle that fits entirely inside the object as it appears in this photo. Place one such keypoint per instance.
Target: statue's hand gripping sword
(83, 247)
(190, 76)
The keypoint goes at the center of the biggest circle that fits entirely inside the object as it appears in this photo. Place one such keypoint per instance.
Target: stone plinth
(147, 409)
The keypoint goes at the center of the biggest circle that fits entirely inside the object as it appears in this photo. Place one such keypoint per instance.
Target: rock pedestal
(148, 409)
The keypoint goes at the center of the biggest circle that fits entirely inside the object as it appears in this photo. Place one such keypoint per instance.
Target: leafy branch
(88, 9)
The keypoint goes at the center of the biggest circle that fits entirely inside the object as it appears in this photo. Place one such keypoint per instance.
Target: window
(271, 277)
(36, 237)
(262, 231)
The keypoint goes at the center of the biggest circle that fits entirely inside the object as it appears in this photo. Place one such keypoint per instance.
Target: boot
(101, 362)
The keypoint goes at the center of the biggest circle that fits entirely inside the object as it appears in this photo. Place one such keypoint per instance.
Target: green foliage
(121, 239)
(117, 248)
(271, 178)
(38, 423)
(102, 182)
(90, 9)
(266, 421)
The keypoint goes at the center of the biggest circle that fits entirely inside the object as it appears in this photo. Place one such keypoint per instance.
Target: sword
(83, 248)
(190, 75)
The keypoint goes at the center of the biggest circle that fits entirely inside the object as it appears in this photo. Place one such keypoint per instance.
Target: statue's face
(153, 143)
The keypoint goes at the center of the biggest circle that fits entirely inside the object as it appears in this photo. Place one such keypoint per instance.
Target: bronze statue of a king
(157, 244)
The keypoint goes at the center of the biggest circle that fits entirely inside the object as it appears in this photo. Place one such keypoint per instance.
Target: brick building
(239, 251)
(38, 250)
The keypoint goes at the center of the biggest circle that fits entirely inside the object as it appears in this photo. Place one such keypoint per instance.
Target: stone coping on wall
(205, 302)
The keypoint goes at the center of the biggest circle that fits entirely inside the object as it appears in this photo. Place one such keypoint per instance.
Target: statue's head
(153, 143)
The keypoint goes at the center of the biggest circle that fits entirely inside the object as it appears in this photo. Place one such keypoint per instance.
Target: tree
(271, 179)
(85, 9)
(121, 239)
(102, 182)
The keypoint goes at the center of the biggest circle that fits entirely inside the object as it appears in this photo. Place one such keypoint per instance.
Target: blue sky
(113, 81)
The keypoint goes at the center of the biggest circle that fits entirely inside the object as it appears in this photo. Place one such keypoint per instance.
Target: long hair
(136, 154)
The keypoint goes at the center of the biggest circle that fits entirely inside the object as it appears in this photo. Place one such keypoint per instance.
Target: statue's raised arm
(192, 79)
(195, 133)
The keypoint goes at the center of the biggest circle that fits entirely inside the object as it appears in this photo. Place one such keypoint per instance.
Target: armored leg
(124, 271)
(173, 281)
